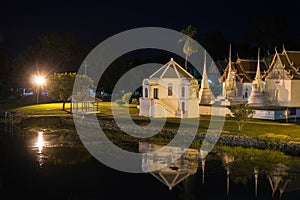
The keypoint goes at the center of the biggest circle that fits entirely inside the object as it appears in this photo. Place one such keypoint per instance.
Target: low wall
(207, 109)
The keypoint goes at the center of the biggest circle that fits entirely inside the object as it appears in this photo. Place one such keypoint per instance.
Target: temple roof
(245, 70)
(171, 70)
(290, 61)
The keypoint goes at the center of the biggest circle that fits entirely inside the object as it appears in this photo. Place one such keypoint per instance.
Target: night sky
(92, 22)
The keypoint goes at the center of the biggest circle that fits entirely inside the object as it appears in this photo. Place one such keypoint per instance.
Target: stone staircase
(167, 107)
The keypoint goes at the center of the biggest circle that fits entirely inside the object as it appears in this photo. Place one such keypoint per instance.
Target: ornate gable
(278, 72)
(284, 66)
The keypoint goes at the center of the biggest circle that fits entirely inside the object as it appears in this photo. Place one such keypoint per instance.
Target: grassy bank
(43, 109)
(260, 129)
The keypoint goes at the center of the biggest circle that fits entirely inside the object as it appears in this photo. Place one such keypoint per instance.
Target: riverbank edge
(60, 122)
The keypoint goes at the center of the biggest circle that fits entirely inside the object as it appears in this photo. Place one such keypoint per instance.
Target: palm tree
(189, 46)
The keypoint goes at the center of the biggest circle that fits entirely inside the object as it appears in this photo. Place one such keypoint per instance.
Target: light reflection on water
(40, 144)
(57, 149)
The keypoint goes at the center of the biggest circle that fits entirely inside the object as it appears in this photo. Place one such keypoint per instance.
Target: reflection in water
(66, 153)
(278, 178)
(227, 160)
(258, 172)
(175, 172)
(238, 169)
(255, 171)
(40, 143)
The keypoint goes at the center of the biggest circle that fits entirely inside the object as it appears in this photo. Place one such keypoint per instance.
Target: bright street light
(39, 80)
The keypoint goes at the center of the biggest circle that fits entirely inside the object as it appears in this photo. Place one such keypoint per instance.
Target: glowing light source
(39, 80)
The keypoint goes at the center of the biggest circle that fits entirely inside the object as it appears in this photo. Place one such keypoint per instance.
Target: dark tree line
(52, 53)
(61, 53)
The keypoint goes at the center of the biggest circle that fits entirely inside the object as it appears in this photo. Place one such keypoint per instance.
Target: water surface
(42, 166)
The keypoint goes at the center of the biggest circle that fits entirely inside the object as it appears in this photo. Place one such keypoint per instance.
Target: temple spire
(204, 82)
(230, 69)
(257, 97)
(205, 95)
(230, 83)
(258, 75)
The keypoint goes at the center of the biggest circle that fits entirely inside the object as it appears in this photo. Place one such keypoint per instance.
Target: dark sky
(93, 21)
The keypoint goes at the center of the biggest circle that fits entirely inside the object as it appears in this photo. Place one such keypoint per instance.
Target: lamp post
(38, 80)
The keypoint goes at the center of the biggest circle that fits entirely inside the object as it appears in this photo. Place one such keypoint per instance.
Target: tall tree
(267, 33)
(3, 66)
(189, 46)
(51, 53)
(215, 44)
(60, 86)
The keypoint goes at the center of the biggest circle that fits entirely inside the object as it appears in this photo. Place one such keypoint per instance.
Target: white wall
(295, 93)
(264, 114)
(279, 91)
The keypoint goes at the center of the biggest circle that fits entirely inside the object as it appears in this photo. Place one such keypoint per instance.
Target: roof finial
(172, 59)
(229, 58)
(85, 67)
(276, 50)
(237, 55)
(204, 67)
(283, 49)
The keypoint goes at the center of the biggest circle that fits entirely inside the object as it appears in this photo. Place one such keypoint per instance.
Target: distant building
(239, 76)
(170, 92)
(283, 79)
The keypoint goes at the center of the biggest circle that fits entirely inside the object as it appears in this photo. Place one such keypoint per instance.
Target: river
(40, 166)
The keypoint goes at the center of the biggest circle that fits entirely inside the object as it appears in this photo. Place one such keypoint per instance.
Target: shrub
(134, 101)
(126, 97)
(119, 102)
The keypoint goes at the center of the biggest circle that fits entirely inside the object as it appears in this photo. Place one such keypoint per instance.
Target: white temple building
(283, 79)
(170, 92)
(272, 91)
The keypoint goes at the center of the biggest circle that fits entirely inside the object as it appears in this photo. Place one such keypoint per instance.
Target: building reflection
(260, 176)
(169, 173)
(279, 178)
(227, 159)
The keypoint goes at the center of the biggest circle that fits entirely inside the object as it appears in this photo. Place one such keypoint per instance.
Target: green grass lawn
(43, 109)
(261, 129)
